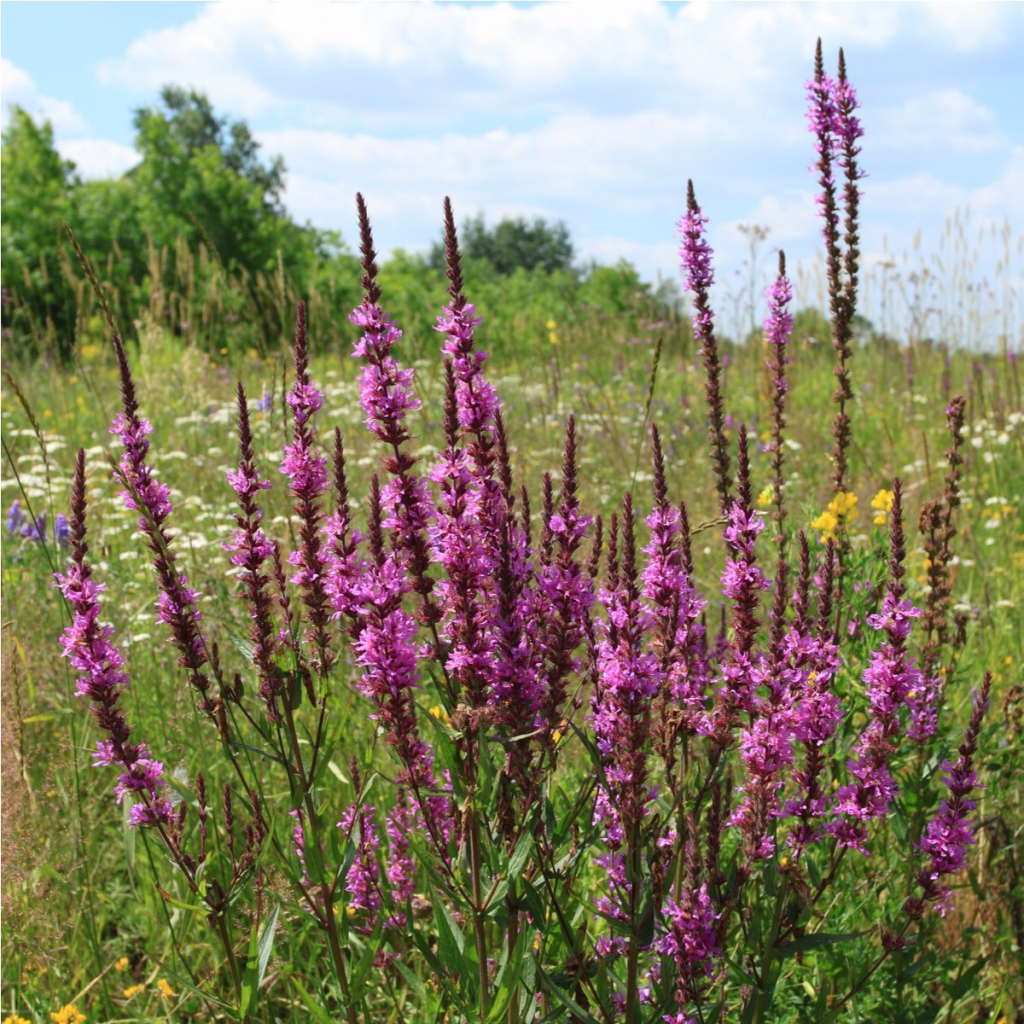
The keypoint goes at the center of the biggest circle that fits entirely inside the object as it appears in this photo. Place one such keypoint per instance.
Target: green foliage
(36, 186)
(201, 178)
(197, 220)
(513, 244)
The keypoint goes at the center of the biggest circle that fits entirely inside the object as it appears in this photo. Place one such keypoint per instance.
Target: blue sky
(593, 114)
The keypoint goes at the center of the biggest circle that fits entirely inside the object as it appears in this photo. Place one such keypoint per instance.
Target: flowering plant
(565, 796)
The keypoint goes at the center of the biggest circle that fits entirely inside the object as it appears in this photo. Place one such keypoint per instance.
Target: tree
(35, 199)
(513, 244)
(201, 177)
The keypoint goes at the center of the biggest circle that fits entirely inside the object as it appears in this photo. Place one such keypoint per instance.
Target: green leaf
(317, 1014)
(244, 645)
(565, 999)
(507, 981)
(266, 944)
(190, 907)
(521, 854)
(364, 965)
(450, 941)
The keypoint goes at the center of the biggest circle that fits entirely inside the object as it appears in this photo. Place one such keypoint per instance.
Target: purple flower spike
(949, 834)
(305, 465)
(62, 530)
(695, 254)
(177, 603)
(631, 677)
(250, 549)
(888, 680)
(15, 519)
(103, 677)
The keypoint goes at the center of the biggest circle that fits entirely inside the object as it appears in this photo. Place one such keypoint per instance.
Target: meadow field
(597, 660)
(84, 924)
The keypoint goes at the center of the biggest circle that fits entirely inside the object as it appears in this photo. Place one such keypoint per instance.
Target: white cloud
(18, 89)
(99, 158)
(945, 118)
(373, 61)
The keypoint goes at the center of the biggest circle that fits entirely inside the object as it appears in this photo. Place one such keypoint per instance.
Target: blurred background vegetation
(196, 235)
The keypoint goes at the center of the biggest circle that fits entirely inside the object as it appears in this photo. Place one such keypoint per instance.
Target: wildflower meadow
(623, 671)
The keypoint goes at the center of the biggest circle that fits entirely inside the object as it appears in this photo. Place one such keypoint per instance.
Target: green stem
(326, 890)
(633, 961)
(229, 949)
(479, 918)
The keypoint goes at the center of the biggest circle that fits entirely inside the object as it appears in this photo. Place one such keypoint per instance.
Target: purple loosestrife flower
(676, 607)
(386, 397)
(564, 590)
(363, 879)
(346, 566)
(742, 583)
(833, 122)
(469, 567)
(177, 601)
(949, 833)
(305, 465)
(403, 820)
(888, 680)
(692, 943)
(385, 650)
(778, 327)
(476, 399)
(814, 661)
(630, 677)
(250, 549)
(103, 677)
(766, 745)
(385, 389)
(698, 276)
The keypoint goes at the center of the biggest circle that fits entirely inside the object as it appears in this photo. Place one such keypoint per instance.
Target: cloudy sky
(593, 114)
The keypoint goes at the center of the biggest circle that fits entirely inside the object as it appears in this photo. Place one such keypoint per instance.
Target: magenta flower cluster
(523, 642)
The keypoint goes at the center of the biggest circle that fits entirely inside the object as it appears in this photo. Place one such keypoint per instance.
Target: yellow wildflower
(133, 990)
(553, 338)
(827, 522)
(165, 988)
(69, 1014)
(767, 496)
(440, 714)
(551, 325)
(122, 965)
(841, 509)
(882, 504)
(223, 351)
(1009, 659)
(844, 506)
(17, 1020)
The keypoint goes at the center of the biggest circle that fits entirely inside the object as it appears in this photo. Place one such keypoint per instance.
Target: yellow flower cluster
(882, 504)
(165, 988)
(69, 1014)
(440, 714)
(767, 496)
(840, 511)
(133, 990)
